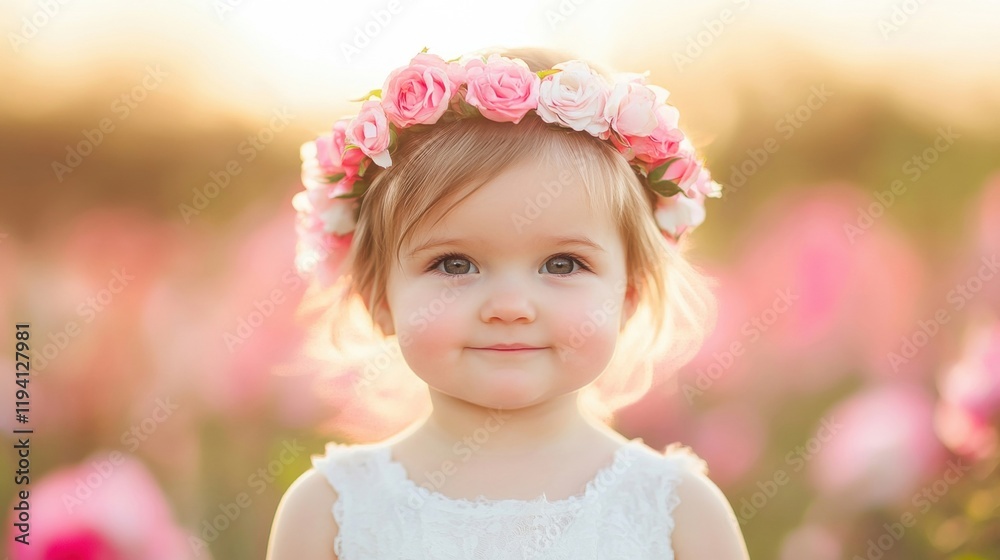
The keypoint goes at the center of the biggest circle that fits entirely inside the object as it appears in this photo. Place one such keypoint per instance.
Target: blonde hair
(450, 161)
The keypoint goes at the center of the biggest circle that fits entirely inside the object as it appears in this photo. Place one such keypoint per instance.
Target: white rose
(338, 218)
(679, 213)
(575, 98)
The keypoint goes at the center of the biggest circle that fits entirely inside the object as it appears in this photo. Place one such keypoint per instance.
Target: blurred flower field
(847, 403)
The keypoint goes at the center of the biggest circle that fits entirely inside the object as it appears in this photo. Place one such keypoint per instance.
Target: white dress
(626, 511)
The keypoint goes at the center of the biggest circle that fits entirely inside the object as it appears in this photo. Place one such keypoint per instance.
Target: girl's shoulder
(703, 521)
(308, 519)
(684, 458)
(674, 460)
(340, 462)
(302, 527)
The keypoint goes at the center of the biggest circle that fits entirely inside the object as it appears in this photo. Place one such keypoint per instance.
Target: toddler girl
(511, 219)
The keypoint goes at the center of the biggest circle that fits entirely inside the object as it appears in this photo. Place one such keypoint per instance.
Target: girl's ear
(381, 314)
(383, 318)
(630, 305)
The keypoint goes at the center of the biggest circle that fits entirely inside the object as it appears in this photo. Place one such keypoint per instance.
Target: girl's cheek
(588, 331)
(432, 324)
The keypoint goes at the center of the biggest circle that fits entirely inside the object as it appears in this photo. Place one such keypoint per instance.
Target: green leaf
(423, 51)
(363, 166)
(357, 189)
(369, 95)
(544, 73)
(656, 174)
(664, 188)
(464, 108)
(336, 178)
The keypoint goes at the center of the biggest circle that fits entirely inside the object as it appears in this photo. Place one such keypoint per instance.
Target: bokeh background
(847, 403)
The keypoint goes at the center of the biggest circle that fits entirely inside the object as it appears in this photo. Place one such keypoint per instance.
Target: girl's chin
(509, 391)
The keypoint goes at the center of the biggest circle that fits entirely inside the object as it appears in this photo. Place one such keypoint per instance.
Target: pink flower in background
(970, 395)
(420, 92)
(814, 542)
(503, 89)
(731, 439)
(964, 433)
(106, 508)
(877, 447)
(974, 382)
(988, 244)
(818, 302)
(96, 275)
(223, 337)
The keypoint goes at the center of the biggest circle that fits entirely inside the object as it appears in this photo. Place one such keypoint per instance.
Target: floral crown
(630, 114)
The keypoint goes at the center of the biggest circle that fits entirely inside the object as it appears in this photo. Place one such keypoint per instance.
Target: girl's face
(505, 272)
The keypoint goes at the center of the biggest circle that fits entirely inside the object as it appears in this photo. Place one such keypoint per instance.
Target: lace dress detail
(626, 511)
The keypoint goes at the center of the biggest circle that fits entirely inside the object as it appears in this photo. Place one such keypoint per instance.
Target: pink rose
(125, 517)
(663, 141)
(575, 98)
(677, 214)
(704, 184)
(683, 171)
(324, 232)
(347, 160)
(324, 239)
(329, 215)
(370, 132)
(631, 108)
(420, 92)
(503, 90)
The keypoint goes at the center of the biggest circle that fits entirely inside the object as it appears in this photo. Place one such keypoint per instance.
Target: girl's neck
(556, 425)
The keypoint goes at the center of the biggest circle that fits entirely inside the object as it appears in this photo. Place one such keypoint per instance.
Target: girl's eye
(454, 265)
(563, 265)
(457, 265)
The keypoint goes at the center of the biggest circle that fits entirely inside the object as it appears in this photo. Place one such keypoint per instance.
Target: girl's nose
(508, 305)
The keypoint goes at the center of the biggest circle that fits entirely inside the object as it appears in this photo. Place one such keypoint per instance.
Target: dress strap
(355, 474)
